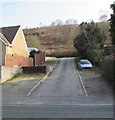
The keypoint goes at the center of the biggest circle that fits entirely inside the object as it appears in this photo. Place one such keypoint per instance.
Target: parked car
(84, 64)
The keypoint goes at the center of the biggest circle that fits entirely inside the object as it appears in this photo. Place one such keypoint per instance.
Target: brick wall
(35, 69)
(15, 60)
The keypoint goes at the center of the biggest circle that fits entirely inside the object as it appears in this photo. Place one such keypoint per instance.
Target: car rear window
(84, 62)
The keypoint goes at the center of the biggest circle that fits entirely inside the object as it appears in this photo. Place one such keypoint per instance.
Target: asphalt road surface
(60, 96)
(63, 82)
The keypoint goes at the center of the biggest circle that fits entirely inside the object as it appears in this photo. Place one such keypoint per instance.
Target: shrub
(107, 70)
(108, 50)
(60, 54)
(90, 42)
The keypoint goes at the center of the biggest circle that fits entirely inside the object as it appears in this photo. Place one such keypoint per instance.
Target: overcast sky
(29, 13)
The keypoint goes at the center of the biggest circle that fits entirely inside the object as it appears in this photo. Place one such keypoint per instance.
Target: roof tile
(9, 32)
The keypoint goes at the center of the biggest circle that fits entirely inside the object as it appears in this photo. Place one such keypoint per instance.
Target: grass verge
(51, 60)
(25, 75)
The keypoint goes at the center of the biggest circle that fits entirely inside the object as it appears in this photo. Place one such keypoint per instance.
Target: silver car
(84, 64)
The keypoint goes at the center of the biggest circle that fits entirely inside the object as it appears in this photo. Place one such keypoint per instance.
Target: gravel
(95, 84)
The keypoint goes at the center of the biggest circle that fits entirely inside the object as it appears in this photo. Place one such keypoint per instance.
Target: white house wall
(2, 53)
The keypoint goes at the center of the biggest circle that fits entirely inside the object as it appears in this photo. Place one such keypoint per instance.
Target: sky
(30, 13)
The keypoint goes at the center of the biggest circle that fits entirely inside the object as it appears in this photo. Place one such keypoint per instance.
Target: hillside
(58, 40)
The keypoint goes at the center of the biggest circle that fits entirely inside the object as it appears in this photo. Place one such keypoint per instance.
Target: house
(12, 41)
(14, 54)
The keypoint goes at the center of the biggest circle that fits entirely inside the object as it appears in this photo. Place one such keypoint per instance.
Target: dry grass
(58, 40)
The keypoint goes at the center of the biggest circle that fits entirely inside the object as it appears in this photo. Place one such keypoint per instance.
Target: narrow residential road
(60, 96)
(63, 82)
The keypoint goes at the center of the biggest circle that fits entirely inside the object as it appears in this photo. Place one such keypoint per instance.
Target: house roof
(9, 32)
(7, 44)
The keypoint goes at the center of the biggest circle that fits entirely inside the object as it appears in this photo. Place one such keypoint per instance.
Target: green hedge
(62, 54)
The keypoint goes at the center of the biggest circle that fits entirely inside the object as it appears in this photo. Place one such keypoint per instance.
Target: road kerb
(82, 84)
(41, 81)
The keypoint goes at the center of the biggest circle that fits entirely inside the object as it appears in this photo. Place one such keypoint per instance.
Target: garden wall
(35, 69)
(8, 72)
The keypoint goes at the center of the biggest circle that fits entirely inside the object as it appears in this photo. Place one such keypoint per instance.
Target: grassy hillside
(57, 40)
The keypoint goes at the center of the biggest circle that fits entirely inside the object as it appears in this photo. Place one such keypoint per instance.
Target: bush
(108, 50)
(90, 42)
(60, 54)
(107, 70)
(76, 60)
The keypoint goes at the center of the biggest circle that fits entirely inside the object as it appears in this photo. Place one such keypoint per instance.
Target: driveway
(60, 96)
(63, 82)
(61, 86)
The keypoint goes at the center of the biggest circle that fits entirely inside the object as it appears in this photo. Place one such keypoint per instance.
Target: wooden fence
(15, 60)
(39, 58)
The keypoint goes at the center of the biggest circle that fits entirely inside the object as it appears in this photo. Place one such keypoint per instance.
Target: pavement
(60, 111)
(57, 119)
(96, 85)
(60, 96)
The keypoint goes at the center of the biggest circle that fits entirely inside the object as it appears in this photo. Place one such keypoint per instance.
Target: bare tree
(56, 22)
(53, 23)
(59, 22)
(41, 25)
(103, 18)
(71, 21)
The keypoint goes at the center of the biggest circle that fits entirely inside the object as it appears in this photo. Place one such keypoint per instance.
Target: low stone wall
(8, 72)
